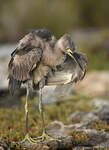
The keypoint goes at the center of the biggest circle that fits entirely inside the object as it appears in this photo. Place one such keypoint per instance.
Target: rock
(104, 114)
(95, 83)
(95, 137)
(99, 103)
(4, 73)
(56, 126)
(102, 109)
(77, 116)
(88, 119)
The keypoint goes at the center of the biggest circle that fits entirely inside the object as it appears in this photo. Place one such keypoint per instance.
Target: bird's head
(65, 42)
(67, 47)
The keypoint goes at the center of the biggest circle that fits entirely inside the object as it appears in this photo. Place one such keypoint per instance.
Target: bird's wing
(21, 65)
(23, 62)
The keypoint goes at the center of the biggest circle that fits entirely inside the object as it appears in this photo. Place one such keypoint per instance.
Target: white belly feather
(61, 78)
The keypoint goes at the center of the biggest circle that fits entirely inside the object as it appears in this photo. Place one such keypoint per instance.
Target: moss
(12, 121)
(102, 125)
(79, 137)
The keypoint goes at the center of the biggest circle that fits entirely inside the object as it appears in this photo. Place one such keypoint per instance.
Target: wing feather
(21, 64)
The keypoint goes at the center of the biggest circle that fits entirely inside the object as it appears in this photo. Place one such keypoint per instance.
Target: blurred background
(86, 21)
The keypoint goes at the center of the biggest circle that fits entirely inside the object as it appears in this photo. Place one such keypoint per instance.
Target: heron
(37, 61)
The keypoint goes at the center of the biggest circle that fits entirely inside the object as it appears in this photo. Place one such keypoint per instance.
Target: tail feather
(13, 85)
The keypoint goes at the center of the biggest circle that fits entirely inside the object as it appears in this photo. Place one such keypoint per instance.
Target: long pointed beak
(71, 54)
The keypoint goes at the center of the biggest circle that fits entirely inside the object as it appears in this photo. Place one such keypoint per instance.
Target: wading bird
(39, 60)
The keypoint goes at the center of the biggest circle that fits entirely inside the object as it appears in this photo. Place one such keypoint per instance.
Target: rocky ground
(88, 130)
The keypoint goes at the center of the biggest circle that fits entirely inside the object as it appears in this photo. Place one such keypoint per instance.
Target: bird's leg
(44, 135)
(41, 110)
(26, 109)
(27, 137)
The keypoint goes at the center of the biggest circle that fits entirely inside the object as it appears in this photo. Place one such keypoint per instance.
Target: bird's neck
(59, 56)
(53, 56)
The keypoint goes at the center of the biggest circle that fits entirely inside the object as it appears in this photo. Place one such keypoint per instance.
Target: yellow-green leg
(27, 137)
(44, 135)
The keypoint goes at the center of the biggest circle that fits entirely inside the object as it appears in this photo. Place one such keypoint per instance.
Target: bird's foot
(29, 139)
(41, 138)
(45, 136)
